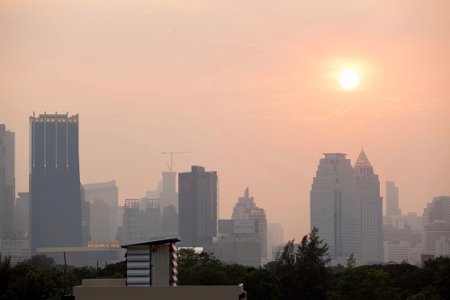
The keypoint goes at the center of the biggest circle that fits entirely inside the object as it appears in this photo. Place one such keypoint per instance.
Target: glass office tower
(55, 196)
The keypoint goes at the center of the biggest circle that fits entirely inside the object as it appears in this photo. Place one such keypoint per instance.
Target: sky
(248, 88)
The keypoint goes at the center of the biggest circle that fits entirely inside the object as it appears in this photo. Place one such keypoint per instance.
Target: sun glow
(349, 79)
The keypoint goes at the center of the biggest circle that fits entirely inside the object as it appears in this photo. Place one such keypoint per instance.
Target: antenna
(171, 157)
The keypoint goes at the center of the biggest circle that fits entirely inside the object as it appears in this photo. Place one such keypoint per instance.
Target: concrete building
(22, 216)
(336, 207)
(141, 221)
(250, 219)
(397, 252)
(17, 249)
(239, 249)
(169, 221)
(116, 289)
(7, 182)
(225, 227)
(104, 200)
(275, 240)
(197, 207)
(392, 204)
(169, 195)
(368, 192)
(55, 194)
(436, 221)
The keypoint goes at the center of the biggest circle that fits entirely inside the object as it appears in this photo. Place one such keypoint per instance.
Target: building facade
(336, 207)
(250, 219)
(55, 194)
(368, 192)
(7, 182)
(436, 222)
(104, 199)
(22, 216)
(197, 205)
(392, 205)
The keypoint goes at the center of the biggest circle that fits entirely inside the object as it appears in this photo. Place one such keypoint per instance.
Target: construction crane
(171, 157)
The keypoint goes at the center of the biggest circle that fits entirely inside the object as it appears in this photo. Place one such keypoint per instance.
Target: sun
(349, 79)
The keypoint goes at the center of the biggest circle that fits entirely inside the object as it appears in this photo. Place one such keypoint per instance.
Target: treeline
(300, 272)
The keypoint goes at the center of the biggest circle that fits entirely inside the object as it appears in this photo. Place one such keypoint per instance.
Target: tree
(364, 283)
(304, 274)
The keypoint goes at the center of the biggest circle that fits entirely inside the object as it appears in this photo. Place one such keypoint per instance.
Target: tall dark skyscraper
(7, 182)
(55, 196)
(197, 206)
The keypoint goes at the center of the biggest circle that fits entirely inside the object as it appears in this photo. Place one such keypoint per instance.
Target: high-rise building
(250, 219)
(7, 182)
(197, 206)
(368, 192)
(104, 199)
(169, 221)
(22, 216)
(436, 222)
(275, 237)
(392, 208)
(169, 195)
(55, 194)
(141, 221)
(336, 207)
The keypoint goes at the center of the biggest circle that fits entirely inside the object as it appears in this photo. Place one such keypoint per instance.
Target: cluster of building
(86, 222)
(59, 216)
(347, 208)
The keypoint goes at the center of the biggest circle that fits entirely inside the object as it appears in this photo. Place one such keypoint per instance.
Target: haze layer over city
(250, 90)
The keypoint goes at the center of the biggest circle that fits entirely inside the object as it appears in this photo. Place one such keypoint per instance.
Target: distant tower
(392, 208)
(246, 209)
(7, 182)
(335, 207)
(197, 207)
(169, 194)
(55, 195)
(368, 190)
(436, 222)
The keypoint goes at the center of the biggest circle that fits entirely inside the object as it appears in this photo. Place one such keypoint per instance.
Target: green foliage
(364, 283)
(304, 273)
(299, 272)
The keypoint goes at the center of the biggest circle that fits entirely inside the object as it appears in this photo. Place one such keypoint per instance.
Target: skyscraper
(335, 207)
(392, 208)
(368, 191)
(104, 199)
(169, 194)
(7, 182)
(436, 222)
(55, 195)
(197, 206)
(246, 212)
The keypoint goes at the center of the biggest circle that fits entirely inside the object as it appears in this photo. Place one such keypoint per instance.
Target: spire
(362, 161)
(246, 193)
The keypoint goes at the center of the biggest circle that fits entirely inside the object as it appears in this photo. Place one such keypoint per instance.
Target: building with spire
(368, 193)
(248, 218)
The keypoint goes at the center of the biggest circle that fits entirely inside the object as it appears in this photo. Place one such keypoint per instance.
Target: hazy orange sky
(249, 87)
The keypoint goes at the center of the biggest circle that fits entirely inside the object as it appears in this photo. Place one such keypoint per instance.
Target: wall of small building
(116, 289)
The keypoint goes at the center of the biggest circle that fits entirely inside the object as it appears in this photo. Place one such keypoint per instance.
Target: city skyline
(250, 90)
